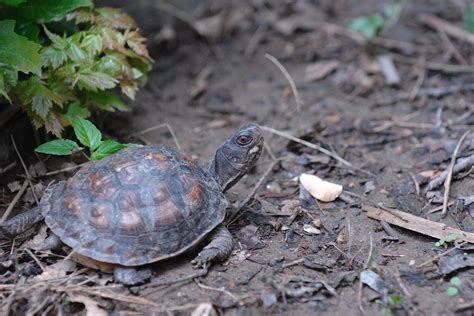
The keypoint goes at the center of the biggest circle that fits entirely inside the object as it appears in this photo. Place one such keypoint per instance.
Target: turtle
(143, 205)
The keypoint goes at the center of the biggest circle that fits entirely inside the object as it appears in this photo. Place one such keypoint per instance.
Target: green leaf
(395, 299)
(107, 101)
(370, 26)
(93, 44)
(115, 18)
(56, 40)
(455, 281)
(13, 3)
(30, 30)
(87, 133)
(3, 89)
(43, 11)
(74, 112)
(58, 147)
(452, 291)
(451, 237)
(107, 147)
(469, 20)
(92, 80)
(53, 56)
(17, 51)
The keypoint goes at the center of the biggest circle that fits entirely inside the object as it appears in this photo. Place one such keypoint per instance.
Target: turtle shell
(138, 206)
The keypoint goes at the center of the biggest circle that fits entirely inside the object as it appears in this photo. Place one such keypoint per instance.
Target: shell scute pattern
(141, 205)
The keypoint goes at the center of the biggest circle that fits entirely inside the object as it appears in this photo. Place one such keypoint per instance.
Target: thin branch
(447, 182)
(150, 129)
(28, 177)
(14, 201)
(299, 102)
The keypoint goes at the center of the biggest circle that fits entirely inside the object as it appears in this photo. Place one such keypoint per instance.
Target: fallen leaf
(289, 207)
(204, 309)
(92, 307)
(14, 186)
(320, 70)
(310, 229)
(320, 189)
(57, 270)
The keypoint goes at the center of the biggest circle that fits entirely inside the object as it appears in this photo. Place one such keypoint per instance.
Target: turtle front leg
(219, 249)
(131, 276)
(20, 223)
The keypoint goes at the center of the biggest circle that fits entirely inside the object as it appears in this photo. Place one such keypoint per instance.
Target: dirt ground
(293, 256)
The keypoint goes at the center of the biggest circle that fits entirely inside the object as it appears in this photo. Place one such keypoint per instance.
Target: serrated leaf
(3, 89)
(107, 101)
(43, 11)
(370, 26)
(92, 80)
(61, 147)
(53, 125)
(87, 133)
(137, 43)
(107, 147)
(56, 40)
(17, 51)
(93, 44)
(53, 57)
(76, 53)
(81, 16)
(455, 281)
(75, 111)
(115, 18)
(129, 88)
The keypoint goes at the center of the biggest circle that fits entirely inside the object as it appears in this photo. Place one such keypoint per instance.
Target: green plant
(372, 25)
(454, 289)
(469, 20)
(61, 59)
(394, 301)
(444, 242)
(89, 136)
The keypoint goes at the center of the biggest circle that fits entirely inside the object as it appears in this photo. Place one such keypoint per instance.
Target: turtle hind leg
(20, 223)
(131, 276)
(219, 249)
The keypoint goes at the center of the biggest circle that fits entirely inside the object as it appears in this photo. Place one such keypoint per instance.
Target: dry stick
(315, 147)
(14, 201)
(417, 224)
(28, 177)
(402, 286)
(440, 255)
(447, 27)
(54, 172)
(10, 166)
(417, 185)
(463, 163)
(299, 102)
(447, 68)
(419, 80)
(236, 215)
(150, 129)
(222, 290)
(447, 183)
(369, 257)
(451, 48)
(32, 255)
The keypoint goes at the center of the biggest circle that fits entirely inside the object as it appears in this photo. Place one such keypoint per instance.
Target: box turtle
(142, 205)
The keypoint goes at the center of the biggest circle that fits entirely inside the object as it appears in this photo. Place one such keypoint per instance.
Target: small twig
(447, 183)
(417, 185)
(315, 147)
(222, 290)
(359, 297)
(369, 257)
(440, 255)
(299, 102)
(255, 39)
(402, 286)
(448, 28)
(439, 208)
(293, 263)
(55, 172)
(10, 166)
(419, 80)
(150, 129)
(28, 177)
(14, 201)
(238, 212)
(462, 163)
(451, 48)
(32, 255)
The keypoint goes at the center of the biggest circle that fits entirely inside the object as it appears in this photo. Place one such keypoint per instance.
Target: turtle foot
(131, 276)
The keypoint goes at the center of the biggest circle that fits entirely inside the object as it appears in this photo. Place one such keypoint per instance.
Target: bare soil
(397, 135)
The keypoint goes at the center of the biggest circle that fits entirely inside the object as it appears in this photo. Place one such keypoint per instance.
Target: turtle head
(237, 156)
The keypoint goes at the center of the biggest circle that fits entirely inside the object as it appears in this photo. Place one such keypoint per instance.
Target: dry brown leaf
(57, 270)
(320, 70)
(92, 307)
(310, 229)
(320, 189)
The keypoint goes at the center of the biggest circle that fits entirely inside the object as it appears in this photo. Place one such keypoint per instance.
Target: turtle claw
(204, 258)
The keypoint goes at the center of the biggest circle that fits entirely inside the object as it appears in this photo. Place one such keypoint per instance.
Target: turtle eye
(243, 140)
